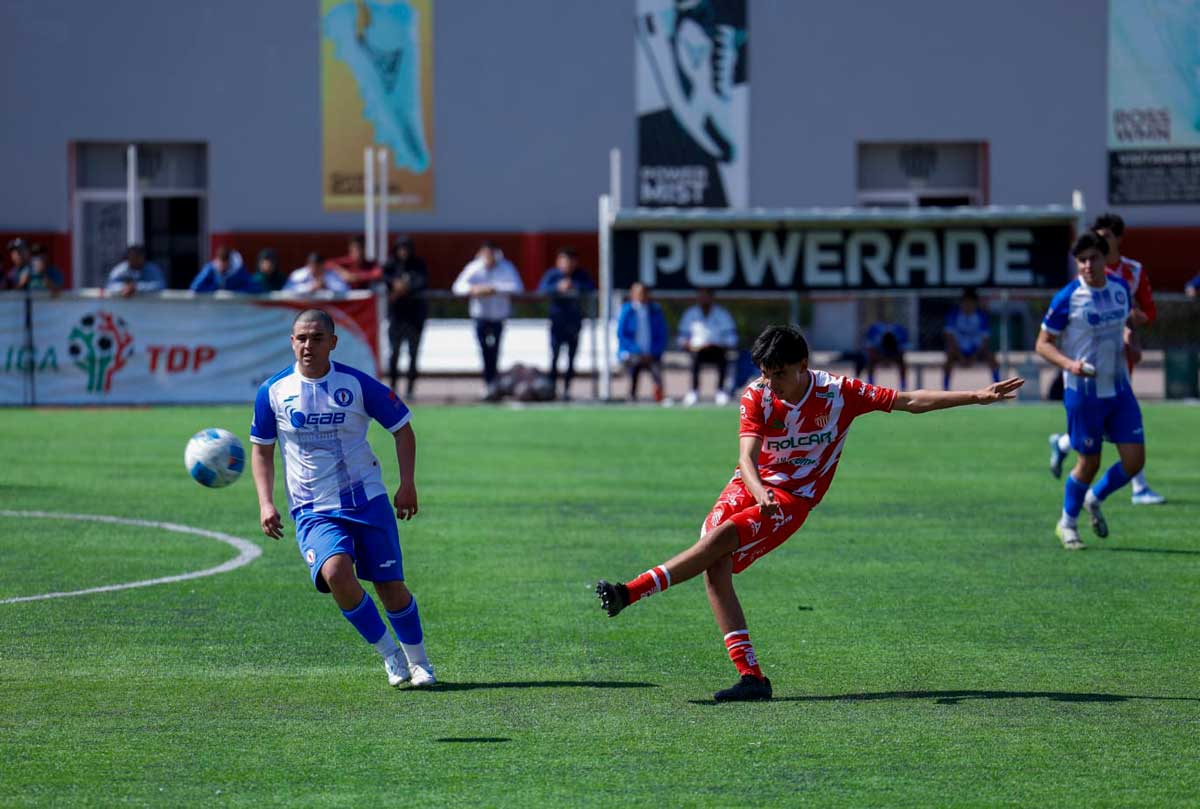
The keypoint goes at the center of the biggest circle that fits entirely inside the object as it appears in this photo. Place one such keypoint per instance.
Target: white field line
(247, 552)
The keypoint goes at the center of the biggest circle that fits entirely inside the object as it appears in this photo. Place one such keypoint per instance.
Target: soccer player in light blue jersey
(1083, 333)
(319, 412)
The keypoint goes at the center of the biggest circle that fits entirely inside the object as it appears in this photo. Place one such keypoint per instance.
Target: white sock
(1139, 483)
(1064, 443)
(1090, 499)
(1068, 520)
(386, 646)
(415, 652)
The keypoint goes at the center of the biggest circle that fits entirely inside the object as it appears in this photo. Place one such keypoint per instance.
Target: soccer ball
(214, 457)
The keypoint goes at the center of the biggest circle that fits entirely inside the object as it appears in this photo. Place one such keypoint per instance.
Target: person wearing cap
(135, 275)
(489, 280)
(268, 277)
(226, 272)
(314, 277)
(39, 274)
(18, 259)
(407, 277)
(355, 269)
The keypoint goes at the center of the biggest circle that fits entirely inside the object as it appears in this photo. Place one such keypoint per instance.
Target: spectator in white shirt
(135, 275)
(314, 277)
(707, 332)
(489, 280)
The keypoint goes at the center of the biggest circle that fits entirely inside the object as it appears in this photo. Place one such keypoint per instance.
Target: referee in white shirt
(709, 334)
(489, 280)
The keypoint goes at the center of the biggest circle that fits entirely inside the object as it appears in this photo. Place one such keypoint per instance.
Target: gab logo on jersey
(343, 397)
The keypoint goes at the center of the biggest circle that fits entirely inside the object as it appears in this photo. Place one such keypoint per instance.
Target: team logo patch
(310, 556)
(822, 420)
(343, 397)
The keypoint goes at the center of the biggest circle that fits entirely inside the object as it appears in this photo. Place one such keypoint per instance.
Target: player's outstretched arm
(262, 464)
(405, 500)
(923, 401)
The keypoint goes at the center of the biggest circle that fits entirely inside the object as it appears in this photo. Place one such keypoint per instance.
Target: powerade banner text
(1153, 101)
(834, 258)
(693, 103)
(98, 351)
(377, 89)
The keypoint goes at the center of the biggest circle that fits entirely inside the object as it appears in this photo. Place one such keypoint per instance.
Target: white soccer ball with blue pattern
(214, 458)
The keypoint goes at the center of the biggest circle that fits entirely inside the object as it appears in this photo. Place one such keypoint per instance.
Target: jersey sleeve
(1059, 312)
(263, 429)
(751, 418)
(860, 397)
(383, 405)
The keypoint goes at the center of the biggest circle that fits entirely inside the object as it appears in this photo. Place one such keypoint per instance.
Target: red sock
(652, 581)
(741, 652)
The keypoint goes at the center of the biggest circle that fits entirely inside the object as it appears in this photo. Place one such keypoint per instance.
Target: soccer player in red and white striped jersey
(794, 422)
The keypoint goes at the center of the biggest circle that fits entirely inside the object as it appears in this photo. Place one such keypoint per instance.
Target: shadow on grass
(444, 686)
(1146, 550)
(955, 697)
(474, 739)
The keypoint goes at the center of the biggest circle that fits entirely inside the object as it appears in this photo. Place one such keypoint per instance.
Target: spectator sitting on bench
(967, 333)
(885, 344)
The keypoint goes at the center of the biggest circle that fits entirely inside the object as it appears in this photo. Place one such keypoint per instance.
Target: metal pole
(381, 251)
(1080, 211)
(132, 230)
(369, 203)
(605, 298)
(29, 351)
(614, 179)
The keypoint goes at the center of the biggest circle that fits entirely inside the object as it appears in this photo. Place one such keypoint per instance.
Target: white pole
(605, 298)
(614, 179)
(132, 220)
(369, 203)
(1080, 212)
(381, 251)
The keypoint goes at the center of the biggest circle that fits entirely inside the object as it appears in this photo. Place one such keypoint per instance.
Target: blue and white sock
(365, 618)
(1073, 494)
(1139, 482)
(407, 623)
(1114, 478)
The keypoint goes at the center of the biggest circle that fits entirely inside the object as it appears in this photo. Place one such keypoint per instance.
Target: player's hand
(1080, 368)
(1138, 318)
(767, 504)
(272, 525)
(405, 501)
(999, 391)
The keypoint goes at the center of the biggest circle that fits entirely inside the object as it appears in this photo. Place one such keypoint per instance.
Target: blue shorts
(367, 535)
(967, 350)
(1091, 420)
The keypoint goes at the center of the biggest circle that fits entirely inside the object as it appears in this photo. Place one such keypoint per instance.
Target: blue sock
(365, 618)
(995, 374)
(1073, 494)
(407, 623)
(1114, 478)
(945, 380)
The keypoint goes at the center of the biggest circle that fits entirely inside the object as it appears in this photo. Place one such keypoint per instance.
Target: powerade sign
(832, 258)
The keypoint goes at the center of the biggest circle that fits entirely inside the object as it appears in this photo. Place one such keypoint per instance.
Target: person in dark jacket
(406, 277)
(566, 283)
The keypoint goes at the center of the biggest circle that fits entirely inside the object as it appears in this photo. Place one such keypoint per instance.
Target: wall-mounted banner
(837, 257)
(693, 104)
(147, 350)
(1154, 101)
(377, 89)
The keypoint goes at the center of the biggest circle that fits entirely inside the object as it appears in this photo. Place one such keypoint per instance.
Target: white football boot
(422, 675)
(1148, 497)
(396, 667)
(1069, 535)
(1057, 456)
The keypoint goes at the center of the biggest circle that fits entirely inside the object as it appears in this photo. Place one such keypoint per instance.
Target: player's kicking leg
(359, 609)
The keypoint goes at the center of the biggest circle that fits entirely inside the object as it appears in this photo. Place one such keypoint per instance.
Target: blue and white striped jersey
(321, 425)
(1090, 324)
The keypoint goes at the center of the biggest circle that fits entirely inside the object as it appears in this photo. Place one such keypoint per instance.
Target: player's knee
(723, 538)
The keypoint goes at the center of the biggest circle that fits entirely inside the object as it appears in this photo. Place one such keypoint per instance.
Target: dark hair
(268, 254)
(488, 244)
(1111, 222)
(135, 248)
(568, 251)
(778, 346)
(319, 315)
(222, 253)
(1089, 241)
(315, 258)
(358, 241)
(37, 250)
(969, 294)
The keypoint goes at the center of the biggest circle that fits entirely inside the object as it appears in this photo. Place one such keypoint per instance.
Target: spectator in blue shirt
(226, 271)
(1192, 288)
(641, 339)
(885, 345)
(135, 275)
(566, 283)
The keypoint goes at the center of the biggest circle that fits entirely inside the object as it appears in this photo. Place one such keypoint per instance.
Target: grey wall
(529, 95)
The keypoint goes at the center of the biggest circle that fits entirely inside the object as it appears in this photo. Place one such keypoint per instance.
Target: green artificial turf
(929, 641)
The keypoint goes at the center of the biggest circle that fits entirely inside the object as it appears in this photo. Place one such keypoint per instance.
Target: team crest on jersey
(310, 556)
(755, 525)
(822, 420)
(343, 397)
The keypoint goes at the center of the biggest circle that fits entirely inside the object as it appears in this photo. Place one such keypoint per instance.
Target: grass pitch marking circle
(247, 552)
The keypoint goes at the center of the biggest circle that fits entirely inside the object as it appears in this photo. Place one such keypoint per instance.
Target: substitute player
(793, 428)
(1111, 228)
(1082, 334)
(967, 333)
(319, 412)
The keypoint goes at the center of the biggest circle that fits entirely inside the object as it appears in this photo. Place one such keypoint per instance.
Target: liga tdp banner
(1154, 102)
(377, 90)
(692, 94)
(147, 350)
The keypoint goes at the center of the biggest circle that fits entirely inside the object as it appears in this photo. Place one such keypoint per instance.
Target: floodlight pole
(605, 298)
(381, 250)
(369, 203)
(133, 231)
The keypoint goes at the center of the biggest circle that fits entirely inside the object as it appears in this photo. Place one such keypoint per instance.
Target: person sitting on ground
(315, 277)
(135, 275)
